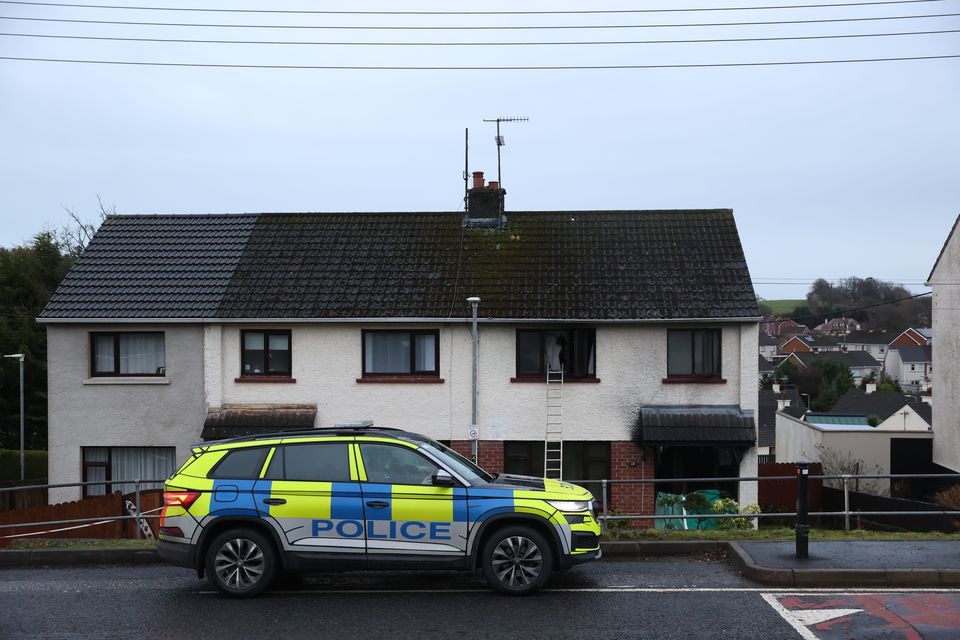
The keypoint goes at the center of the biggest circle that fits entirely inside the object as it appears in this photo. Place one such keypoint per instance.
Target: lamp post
(19, 356)
(474, 428)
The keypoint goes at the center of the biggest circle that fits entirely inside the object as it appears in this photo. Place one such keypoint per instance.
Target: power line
(476, 44)
(464, 13)
(471, 28)
(479, 68)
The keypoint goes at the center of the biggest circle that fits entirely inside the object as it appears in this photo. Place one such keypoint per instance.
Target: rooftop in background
(915, 354)
(849, 358)
(880, 404)
(557, 265)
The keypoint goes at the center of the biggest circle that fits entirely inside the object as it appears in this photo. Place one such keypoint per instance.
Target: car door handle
(378, 504)
(274, 501)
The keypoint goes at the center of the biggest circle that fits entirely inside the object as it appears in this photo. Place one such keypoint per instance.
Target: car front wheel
(241, 562)
(517, 560)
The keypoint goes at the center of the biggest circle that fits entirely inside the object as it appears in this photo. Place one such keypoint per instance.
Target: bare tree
(75, 236)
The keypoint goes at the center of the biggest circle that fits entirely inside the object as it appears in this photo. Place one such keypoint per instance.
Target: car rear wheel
(517, 560)
(241, 562)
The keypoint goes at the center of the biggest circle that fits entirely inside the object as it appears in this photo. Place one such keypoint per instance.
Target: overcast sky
(832, 170)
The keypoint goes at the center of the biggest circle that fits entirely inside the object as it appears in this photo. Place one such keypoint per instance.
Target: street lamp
(474, 428)
(19, 356)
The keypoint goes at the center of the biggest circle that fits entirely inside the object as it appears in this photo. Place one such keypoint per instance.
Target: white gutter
(464, 320)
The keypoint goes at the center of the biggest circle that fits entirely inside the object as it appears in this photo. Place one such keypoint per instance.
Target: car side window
(389, 464)
(240, 464)
(313, 462)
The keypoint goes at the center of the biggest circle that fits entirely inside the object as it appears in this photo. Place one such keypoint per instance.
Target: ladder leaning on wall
(553, 440)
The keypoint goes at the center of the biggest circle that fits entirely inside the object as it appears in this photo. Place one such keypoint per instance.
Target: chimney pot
(478, 179)
(493, 185)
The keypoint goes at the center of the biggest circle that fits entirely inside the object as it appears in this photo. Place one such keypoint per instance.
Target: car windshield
(457, 462)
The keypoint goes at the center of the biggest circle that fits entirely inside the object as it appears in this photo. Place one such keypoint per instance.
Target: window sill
(693, 380)
(128, 380)
(542, 380)
(400, 380)
(268, 379)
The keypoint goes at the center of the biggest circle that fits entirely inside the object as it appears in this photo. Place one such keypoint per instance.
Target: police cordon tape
(141, 518)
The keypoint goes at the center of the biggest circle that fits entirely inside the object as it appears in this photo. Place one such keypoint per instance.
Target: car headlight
(569, 505)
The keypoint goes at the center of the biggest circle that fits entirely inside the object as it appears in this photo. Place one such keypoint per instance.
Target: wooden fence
(10, 500)
(113, 504)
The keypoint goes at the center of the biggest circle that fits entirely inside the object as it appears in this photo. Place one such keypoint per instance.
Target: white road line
(761, 590)
(804, 632)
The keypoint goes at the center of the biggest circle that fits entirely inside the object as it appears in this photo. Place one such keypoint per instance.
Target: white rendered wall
(117, 412)
(945, 282)
(630, 363)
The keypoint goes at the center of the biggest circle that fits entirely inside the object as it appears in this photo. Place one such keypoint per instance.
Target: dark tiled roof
(582, 265)
(764, 365)
(916, 354)
(859, 403)
(767, 413)
(767, 341)
(153, 267)
(231, 422)
(849, 358)
(717, 426)
(872, 337)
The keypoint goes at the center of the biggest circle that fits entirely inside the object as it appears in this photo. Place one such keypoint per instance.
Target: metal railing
(801, 515)
(139, 516)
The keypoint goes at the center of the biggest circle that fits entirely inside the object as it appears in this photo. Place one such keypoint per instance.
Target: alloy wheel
(239, 563)
(517, 561)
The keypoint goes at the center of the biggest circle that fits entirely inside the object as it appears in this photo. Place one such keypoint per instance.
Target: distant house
(862, 365)
(945, 281)
(911, 366)
(768, 347)
(900, 443)
(796, 344)
(777, 327)
(786, 399)
(876, 343)
(839, 326)
(913, 338)
(764, 367)
(893, 411)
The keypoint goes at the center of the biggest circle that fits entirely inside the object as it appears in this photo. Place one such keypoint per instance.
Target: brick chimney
(484, 203)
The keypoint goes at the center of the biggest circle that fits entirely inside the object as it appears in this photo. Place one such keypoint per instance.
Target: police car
(242, 511)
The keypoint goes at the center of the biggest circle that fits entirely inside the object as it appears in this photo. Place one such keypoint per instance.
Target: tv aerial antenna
(500, 142)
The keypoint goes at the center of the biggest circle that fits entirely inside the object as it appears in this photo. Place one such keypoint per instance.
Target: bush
(35, 461)
(729, 505)
(949, 498)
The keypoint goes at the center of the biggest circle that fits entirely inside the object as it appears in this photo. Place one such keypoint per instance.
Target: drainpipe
(474, 428)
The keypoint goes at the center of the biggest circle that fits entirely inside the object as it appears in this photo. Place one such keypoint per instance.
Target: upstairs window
(265, 353)
(572, 351)
(127, 354)
(693, 353)
(393, 353)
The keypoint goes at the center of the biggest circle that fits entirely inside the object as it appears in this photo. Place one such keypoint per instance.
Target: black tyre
(241, 562)
(517, 560)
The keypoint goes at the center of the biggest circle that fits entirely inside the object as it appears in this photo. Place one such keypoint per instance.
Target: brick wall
(489, 453)
(627, 463)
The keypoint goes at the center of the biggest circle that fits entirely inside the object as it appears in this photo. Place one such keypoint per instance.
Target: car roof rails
(342, 429)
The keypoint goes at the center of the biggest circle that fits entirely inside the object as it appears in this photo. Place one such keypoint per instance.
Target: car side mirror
(442, 478)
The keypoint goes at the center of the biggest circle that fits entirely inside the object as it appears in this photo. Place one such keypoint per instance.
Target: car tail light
(180, 498)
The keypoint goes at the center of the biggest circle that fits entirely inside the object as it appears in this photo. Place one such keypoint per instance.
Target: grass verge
(773, 533)
(80, 543)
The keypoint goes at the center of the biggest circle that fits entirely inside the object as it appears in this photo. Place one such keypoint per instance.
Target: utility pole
(19, 356)
(474, 428)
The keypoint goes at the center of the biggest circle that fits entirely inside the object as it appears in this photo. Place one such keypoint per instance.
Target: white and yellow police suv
(243, 510)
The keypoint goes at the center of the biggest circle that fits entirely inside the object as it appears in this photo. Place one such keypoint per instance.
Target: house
(838, 326)
(890, 411)
(861, 364)
(777, 327)
(945, 281)
(172, 329)
(780, 398)
(764, 367)
(911, 337)
(875, 343)
(796, 344)
(845, 441)
(911, 366)
(768, 347)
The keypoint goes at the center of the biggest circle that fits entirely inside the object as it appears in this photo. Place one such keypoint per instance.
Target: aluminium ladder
(553, 439)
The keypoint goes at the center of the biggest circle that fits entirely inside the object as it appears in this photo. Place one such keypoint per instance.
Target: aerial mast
(500, 142)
